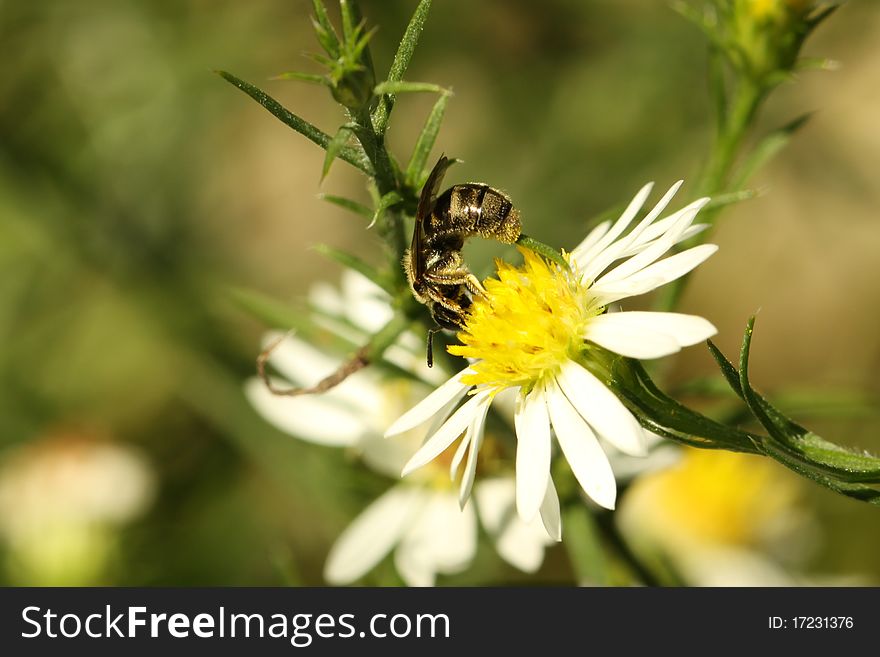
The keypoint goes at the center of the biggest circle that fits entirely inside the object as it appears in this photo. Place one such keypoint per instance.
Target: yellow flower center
(719, 497)
(531, 322)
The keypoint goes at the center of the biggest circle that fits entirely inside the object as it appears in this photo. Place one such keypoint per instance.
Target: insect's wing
(426, 202)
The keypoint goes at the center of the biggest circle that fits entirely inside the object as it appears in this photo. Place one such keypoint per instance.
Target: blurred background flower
(724, 519)
(137, 189)
(63, 500)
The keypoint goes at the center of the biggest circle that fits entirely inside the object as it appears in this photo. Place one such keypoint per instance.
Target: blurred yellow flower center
(770, 9)
(719, 497)
(528, 325)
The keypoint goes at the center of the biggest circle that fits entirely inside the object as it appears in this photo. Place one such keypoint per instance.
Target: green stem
(732, 132)
(608, 529)
(373, 142)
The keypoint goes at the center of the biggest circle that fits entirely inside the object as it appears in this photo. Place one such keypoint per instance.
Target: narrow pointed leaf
(277, 314)
(820, 15)
(351, 155)
(348, 204)
(816, 64)
(816, 453)
(390, 199)
(401, 62)
(402, 86)
(318, 58)
(349, 20)
(362, 43)
(661, 414)
(302, 77)
(723, 200)
(339, 141)
(355, 263)
(767, 148)
(425, 143)
(327, 36)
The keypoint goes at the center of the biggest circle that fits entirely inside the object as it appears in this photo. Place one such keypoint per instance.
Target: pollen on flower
(528, 325)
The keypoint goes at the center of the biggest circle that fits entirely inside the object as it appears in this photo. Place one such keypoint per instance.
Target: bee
(435, 269)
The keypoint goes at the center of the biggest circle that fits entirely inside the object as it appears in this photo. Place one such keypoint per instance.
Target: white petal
(654, 249)
(442, 540)
(617, 229)
(582, 451)
(451, 429)
(317, 419)
(460, 451)
(532, 452)
(519, 544)
(602, 409)
(683, 330)
(653, 276)
(550, 514)
(372, 535)
(475, 433)
(601, 258)
(366, 304)
(628, 340)
(326, 298)
(434, 402)
(636, 232)
(592, 237)
(656, 230)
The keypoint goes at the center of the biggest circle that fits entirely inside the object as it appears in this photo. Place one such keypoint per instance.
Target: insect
(435, 269)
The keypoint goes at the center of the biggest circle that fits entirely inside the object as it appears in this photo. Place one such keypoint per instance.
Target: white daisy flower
(431, 535)
(538, 331)
(420, 520)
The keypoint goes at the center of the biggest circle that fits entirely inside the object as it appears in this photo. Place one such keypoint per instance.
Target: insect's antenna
(357, 362)
(430, 345)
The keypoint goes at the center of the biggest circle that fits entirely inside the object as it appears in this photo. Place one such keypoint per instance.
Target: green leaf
(723, 200)
(667, 417)
(401, 63)
(351, 155)
(822, 12)
(817, 453)
(358, 46)
(415, 170)
(279, 315)
(767, 148)
(349, 21)
(302, 77)
(327, 36)
(816, 64)
(339, 141)
(355, 263)
(318, 58)
(402, 86)
(348, 204)
(388, 200)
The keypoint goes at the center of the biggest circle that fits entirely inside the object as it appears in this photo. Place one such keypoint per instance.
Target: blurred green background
(137, 189)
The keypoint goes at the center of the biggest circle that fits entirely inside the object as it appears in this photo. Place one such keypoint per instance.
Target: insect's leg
(474, 286)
